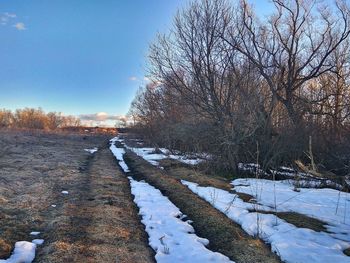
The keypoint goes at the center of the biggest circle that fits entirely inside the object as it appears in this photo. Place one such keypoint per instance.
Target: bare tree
(293, 47)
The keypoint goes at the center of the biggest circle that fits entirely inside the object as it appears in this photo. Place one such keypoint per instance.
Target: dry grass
(224, 235)
(300, 220)
(184, 172)
(96, 222)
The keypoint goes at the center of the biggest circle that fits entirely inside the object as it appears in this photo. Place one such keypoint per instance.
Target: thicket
(30, 118)
(230, 83)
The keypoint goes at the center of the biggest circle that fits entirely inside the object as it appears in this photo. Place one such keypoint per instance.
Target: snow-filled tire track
(172, 239)
(170, 235)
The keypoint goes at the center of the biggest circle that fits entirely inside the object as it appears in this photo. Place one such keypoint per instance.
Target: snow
(298, 178)
(38, 241)
(150, 155)
(328, 205)
(292, 244)
(93, 150)
(119, 153)
(65, 192)
(172, 239)
(24, 252)
(53, 205)
(34, 233)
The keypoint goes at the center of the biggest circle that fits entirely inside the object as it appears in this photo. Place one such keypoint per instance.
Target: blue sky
(78, 56)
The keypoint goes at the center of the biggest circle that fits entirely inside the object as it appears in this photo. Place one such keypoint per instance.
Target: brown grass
(300, 220)
(96, 222)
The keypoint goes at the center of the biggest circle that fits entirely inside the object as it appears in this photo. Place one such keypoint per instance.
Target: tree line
(30, 118)
(247, 88)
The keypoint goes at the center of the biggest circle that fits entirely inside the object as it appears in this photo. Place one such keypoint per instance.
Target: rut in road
(98, 221)
(224, 235)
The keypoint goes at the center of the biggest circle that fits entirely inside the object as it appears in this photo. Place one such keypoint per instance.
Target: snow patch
(38, 241)
(24, 252)
(119, 154)
(93, 150)
(292, 244)
(172, 239)
(65, 192)
(328, 205)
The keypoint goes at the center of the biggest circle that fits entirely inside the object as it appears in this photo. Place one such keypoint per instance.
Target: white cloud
(20, 26)
(10, 15)
(133, 78)
(5, 18)
(100, 116)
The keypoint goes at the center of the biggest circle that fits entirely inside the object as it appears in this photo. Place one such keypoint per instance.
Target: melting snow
(119, 153)
(38, 241)
(64, 192)
(150, 155)
(24, 252)
(328, 205)
(93, 150)
(172, 239)
(292, 244)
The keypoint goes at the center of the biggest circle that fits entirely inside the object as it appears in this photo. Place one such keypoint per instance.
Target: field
(128, 203)
(95, 222)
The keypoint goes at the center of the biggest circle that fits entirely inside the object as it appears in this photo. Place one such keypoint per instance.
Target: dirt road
(96, 221)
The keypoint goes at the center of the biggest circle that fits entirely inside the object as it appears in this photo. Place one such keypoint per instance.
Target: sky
(79, 57)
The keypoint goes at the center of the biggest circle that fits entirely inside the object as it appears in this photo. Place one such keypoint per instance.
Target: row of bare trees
(228, 82)
(30, 118)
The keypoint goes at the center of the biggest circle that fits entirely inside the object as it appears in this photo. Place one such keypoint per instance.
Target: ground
(96, 222)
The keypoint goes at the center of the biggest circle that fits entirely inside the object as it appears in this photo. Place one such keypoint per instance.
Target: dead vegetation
(96, 222)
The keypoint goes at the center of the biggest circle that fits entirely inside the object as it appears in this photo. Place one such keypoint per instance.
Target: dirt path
(96, 222)
(224, 235)
(100, 221)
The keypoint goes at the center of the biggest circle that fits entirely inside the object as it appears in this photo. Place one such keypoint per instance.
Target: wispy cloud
(133, 78)
(20, 26)
(10, 15)
(11, 19)
(6, 17)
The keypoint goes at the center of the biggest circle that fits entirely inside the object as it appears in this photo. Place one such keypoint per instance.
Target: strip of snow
(65, 192)
(150, 155)
(116, 139)
(24, 252)
(93, 150)
(172, 239)
(119, 155)
(34, 233)
(292, 244)
(38, 241)
(328, 205)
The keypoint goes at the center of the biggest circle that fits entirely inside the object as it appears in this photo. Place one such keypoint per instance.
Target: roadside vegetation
(269, 90)
(30, 118)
